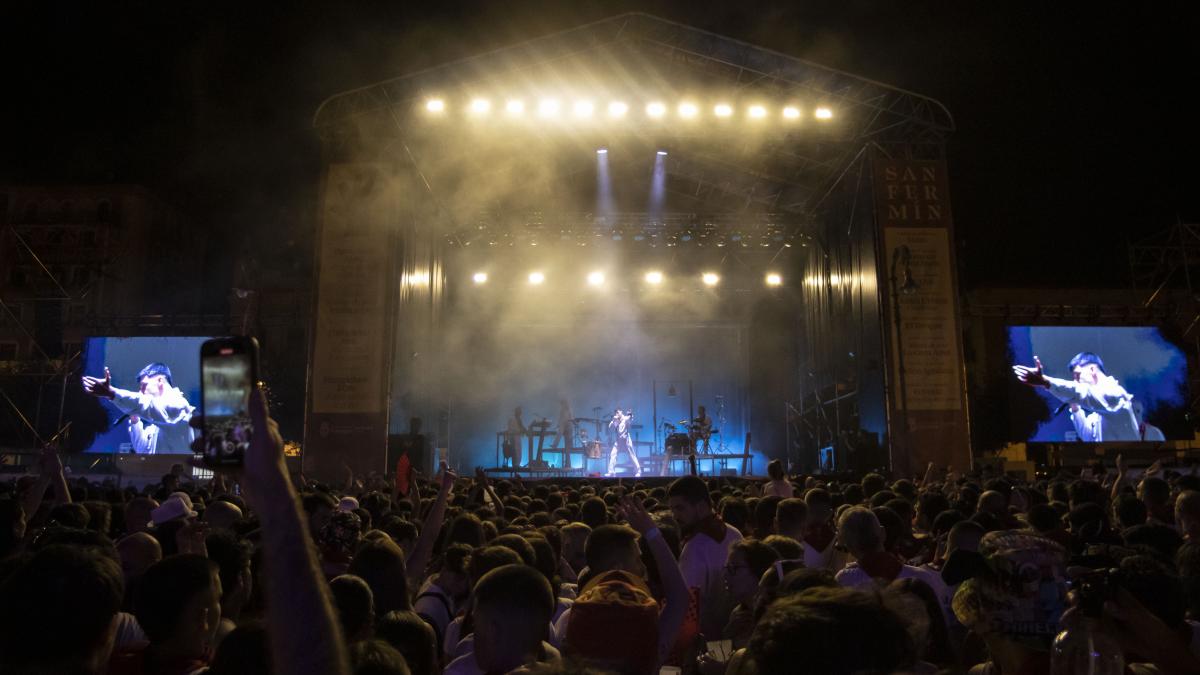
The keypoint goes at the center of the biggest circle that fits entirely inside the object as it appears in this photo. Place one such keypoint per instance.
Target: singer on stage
(159, 415)
(620, 425)
(1101, 409)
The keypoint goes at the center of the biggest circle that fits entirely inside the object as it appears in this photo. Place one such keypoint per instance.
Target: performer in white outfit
(1101, 408)
(620, 424)
(156, 402)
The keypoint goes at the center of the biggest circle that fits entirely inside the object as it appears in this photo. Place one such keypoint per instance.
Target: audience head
(832, 631)
(60, 611)
(380, 563)
(222, 515)
(613, 547)
(860, 532)
(355, 606)
(748, 560)
(412, 637)
(376, 657)
(178, 604)
(511, 615)
(791, 517)
(689, 501)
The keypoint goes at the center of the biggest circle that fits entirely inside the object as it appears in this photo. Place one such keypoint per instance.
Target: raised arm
(423, 548)
(294, 585)
(671, 616)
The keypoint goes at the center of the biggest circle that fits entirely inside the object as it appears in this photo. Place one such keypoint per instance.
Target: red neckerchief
(712, 526)
(819, 536)
(881, 565)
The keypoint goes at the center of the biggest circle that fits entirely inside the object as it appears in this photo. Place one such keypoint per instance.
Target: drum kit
(684, 443)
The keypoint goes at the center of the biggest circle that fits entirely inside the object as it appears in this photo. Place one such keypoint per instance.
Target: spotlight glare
(688, 110)
(723, 110)
(595, 279)
(710, 279)
(515, 107)
(435, 105)
(584, 108)
(480, 106)
(823, 113)
(654, 277)
(480, 278)
(774, 279)
(617, 109)
(536, 278)
(656, 109)
(757, 112)
(548, 107)
(791, 113)
(602, 151)
(661, 153)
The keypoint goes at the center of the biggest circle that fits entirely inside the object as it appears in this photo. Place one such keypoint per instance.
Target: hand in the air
(1032, 376)
(263, 475)
(635, 514)
(101, 387)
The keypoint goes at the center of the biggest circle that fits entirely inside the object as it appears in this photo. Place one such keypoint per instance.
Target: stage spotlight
(654, 278)
(515, 107)
(723, 110)
(656, 109)
(536, 278)
(480, 106)
(479, 278)
(435, 105)
(757, 112)
(710, 279)
(823, 113)
(602, 151)
(774, 279)
(617, 109)
(661, 153)
(791, 113)
(548, 107)
(688, 110)
(595, 279)
(583, 108)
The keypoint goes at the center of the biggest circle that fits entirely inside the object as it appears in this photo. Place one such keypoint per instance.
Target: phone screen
(228, 380)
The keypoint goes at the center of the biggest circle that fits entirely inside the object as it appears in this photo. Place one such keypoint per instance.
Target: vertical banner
(927, 393)
(346, 422)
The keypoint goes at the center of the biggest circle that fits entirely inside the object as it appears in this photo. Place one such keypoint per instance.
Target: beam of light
(722, 110)
(515, 107)
(481, 106)
(756, 112)
(710, 279)
(658, 186)
(654, 277)
(536, 278)
(617, 109)
(791, 113)
(479, 278)
(774, 279)
(823, 113)
(656, 109)
(688, 110)
(584, 108)
(605, 205)
(435, 105)
(548, 107)
(595, 279)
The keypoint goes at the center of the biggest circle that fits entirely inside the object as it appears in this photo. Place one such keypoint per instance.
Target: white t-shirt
(702, 563)
(853, 576)
(778, 488)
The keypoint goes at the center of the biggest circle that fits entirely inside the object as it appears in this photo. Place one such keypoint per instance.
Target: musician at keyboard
(512, 438)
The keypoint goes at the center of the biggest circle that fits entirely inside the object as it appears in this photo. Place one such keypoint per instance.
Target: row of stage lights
(549, 108)
(653, 278)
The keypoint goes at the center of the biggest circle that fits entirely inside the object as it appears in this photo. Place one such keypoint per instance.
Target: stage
(534, 228)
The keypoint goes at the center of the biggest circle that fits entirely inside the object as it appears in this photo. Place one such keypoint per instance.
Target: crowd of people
(259, 571)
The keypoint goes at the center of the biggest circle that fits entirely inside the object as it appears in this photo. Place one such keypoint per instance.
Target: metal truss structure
(637, 54)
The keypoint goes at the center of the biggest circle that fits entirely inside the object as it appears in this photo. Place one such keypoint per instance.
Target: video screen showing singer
(1101, 409)
(158, 414)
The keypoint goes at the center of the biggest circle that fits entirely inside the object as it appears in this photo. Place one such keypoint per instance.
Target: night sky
(1075, 129)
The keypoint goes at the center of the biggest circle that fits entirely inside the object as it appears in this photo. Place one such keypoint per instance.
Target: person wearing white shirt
(158, 402)
(706, 548)
(1095, 392)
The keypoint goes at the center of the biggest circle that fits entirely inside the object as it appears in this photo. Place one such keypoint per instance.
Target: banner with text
(347, 414)
(928, 421)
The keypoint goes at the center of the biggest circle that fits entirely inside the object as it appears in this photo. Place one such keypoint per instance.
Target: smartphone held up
(228, 373)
